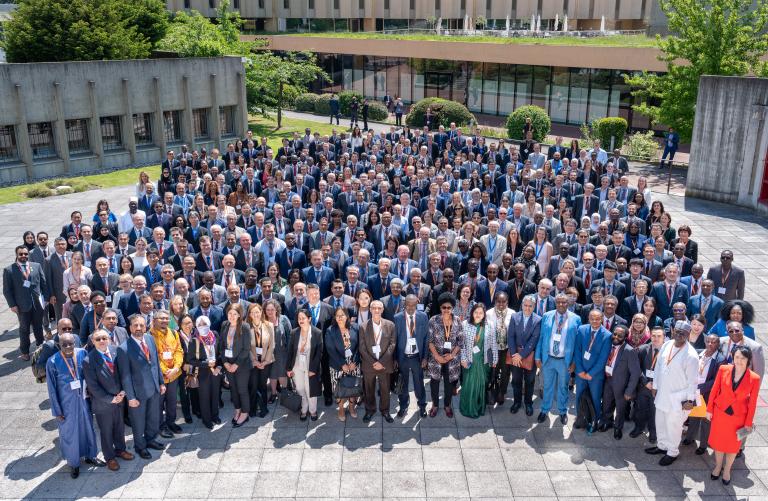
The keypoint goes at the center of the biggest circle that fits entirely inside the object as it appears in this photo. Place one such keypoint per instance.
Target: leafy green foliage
(444, 112)
(608, 127)
(539, 119)
(306, 102)
(193, 35)
(708, 37)
(323, 104)
(345, 100)
(377, 112)
(83, 30)
(641, 145)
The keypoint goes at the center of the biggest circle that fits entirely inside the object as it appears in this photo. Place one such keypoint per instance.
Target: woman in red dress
(731, 407)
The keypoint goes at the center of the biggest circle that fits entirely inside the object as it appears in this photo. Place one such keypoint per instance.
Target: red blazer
(743, 401)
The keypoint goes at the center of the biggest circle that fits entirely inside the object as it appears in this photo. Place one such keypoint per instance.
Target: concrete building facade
(729, 149)
(62, 119)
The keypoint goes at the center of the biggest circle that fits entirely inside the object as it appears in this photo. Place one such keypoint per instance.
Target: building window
(200, 123)
(261, 4)
(41, 140)
(236, 4)
(111, 137)
(463, 5)
(142, 129)
(488, 5)
(437, 4)
(227, 120)
(212, 4)
(186, 4)
(172, 126)
(386, 4)
(286, 4)
(9, 152)
(361, 4)
(336, 4)
(77, 136)
(311, 4)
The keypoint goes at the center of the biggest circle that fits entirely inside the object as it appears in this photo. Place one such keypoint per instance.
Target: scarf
(206, 336)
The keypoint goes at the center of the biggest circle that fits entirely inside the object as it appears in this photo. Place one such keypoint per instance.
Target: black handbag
(290, 399)
(349, 386)
(398, 383)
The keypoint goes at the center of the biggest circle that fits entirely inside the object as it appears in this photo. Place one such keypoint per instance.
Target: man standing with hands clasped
(25, 291)
(675, 381)
(377, 348)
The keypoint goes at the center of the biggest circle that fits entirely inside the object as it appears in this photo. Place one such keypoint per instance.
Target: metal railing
(511, 33)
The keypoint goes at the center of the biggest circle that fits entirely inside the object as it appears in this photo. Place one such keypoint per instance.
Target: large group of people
(351, 266)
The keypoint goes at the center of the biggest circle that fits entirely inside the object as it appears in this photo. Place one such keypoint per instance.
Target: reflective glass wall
(570, 95)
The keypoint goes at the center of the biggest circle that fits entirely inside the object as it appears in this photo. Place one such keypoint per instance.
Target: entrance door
(764, 186)
(438, 85)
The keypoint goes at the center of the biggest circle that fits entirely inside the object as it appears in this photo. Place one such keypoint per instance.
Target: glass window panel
(577, 106)
(357, 74)
(459, 91)
(142, 129)
(475, 87)
(541, 76)
(417, 65)
(41, 140)
(405, 80)
(618, 104)
(393, 76)
(490, 88)
(380, 78)
(111, 136)
(77, 136)
(346, 72)
(506, 89)
(558, 102)
(598, 97)
(524, 84)
(9, 151)
(368, 81)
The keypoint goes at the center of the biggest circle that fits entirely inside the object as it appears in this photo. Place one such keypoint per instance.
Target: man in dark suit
(377, 351)
(411, 328)
(207, 259)
(26, 291)
(107, 395)
(610, 285)
(486, 290)
(729, 279)
(105, 281)
(147, 201)
(95, 318)
(378, 283)
(321, 315)
(651, 267)
(142, 381)
(381, 232)
(582, 246)
(54, 268)
(684, 264)
(205, 307)
(267, 292)
(290, 257)
(394, 303)
(76, 218)
(319, 274)
(159, 218)
(617, 248)
(669, 292)
(622, 371)
(522, 336)
(645, 412)
(590, 354)
(586, 204)
(706, 303)
(90, 248)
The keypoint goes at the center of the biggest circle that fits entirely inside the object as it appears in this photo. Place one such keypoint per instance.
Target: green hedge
(322, 104)
(377, 112)
(539, 118)
(608, 127)
(345, 98)
(306, 102)
(444, 112)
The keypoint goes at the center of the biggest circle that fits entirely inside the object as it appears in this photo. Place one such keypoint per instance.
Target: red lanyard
(72, 370)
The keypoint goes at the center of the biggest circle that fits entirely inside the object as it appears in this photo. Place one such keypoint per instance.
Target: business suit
(713, 306)
(309, 387)
(54, 277)
(211, 262)
(103, 383)
(621, 375)
(645, 411)
(108, 285)
(128, 305)
(412, 355)
(590, 355)
(377, 233)
(742, 401)
(483, 291)
(663, 301)
(385, 356)
(758, 359)
(734, 285)
(87, 326)
(142, 380)
(580, 202)
(392, 306)
(379, 286)
(322, 278)
(494, 250)
(39, 256)
(27, 299)
(238, 352)
(215, 315)
(321, 316)
(556, 355)
(134, 234)
(522, 338)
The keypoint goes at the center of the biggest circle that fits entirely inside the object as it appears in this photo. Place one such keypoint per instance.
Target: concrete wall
(730, 140)
(57, 92)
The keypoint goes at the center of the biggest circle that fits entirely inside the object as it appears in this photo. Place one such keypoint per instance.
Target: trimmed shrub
(641, 145)
(608, 127)
(444, 112)
(322, 104)
(539, 119)
(306, 102)
(377, 112)
(345, 98)
(39, 191)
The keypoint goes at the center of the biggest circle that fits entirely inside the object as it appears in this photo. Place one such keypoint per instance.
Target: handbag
(290, 399)
(349, 386)
(398, 383)
(525, 363)
(192, 380)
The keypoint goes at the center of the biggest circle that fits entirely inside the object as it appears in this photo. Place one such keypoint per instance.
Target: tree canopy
(193, 35)
(707, 37)
(83, 30)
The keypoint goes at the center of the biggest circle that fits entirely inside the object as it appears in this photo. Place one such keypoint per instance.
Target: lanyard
(725, 277)
(672, 356)
(72, 369)
(25, 273)
(560, 324)
(653, 359)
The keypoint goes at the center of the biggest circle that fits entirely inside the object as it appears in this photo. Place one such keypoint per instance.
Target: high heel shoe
(726, 482)
(712, 476)
(238, 424)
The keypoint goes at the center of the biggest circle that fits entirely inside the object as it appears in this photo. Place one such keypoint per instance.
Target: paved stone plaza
(498, 456)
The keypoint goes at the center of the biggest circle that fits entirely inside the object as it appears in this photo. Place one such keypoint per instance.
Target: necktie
(167, 291)
(588, 279)
(108, 361)
(352, 290)
(112, 264)
(45, 252)
(556, 343)
(411, 325)
(208, 262)
(144, 347)
(63, 262)
(647, 269)
(695, 290)
(314, 315)
(669, 294)
(704, 305)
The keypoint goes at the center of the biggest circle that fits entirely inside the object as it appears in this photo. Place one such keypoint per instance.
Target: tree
(272, 81)
(193, 35)
(83, 30)
(708, 37)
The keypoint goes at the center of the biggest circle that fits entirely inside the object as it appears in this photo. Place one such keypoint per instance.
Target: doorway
(438, 85)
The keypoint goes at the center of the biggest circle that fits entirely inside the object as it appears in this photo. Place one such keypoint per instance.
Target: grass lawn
(598, 41)
(262, 126)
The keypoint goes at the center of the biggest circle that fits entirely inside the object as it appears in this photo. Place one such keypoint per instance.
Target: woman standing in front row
(341, 342)
(234, 346)
(262, 356)
(205, 360)
(304, 354)
(445, 338)
(479, 353)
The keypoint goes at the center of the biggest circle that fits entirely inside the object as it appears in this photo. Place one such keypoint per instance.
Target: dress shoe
(313, 417)
(433, 411)
(401, 413)
(541, 417)
(448, 412)
(740, 454)
(367, 418)
(165, 433)
(175, 428)
(388, 417)
(239, 424)
(712, 476)
(617, 434)
(234, 420)
(578, 425)
(188, 419)
(667, 460)
(208, 425)
(95, 462)
(216, 420)
(74, 472)
(25, 357)
(303, 417)
(328, 401)
(155, 445)
(701, 450)
(636, 432)
(113, 465)
(352, 408)
(687, 441)
(124, 455)
(515, 408)
(564, 419)
(603, 427)
(655, 450)
(272, 398)
(591, 428)
(263, 413)
(528, 410)
(422, 412)
(144, 454)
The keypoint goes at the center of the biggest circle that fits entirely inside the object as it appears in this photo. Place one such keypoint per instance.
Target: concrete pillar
(158, 127)
(126, 123)
(22, 133)
(215, 126)
(241, 117)
(188, 129)
(60, 127)
(97, 146)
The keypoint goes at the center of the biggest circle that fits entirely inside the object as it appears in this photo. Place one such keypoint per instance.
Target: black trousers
(645, 412)
(369, 391)
(168, 403)
(520, 377)
(145, 421)
(111, 430)
(411, 367)
(209, 395)
(34, 319)
(353, 120)
(613, 400)
(502, 372)
(189, 398)
(257, 388)
(238, 388)
(325, 375)
(448, 387)
(336, 116)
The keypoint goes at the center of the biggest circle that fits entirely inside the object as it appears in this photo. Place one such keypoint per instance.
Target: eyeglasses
(446, 308)
(66, 329)
(725, 258)
(734, 331)
(67, 344)
(101, 338)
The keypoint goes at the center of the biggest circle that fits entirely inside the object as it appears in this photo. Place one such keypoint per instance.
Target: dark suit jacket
(390, 308)
(421, 333)
(628, 307)
(25, 298)
(103, 384)
(663, 305)
(215, 314)
(578, 205)
(141, 378)
(241, 345)
(54, 275)
(144, 232)
(734, 285)
(378, 287)
(323, 280)
(334, 346)
(626, 372)
(113, 282)
(324, 316)
(483, 291)
(201, 264)
(162, 220)
(618, 288)
(523, 341)
(299, 260)
(387, 343)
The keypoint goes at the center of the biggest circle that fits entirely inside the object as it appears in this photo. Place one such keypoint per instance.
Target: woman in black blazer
(234, 347)
(205, 360)
(304, 354)
(343, 356)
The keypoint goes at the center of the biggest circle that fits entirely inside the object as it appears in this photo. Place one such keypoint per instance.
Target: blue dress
(77, 438)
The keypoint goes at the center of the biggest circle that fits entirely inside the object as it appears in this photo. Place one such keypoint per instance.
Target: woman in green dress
(478, 355)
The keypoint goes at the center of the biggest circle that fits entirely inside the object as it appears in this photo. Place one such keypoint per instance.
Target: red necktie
(588, 280)
(145, 349)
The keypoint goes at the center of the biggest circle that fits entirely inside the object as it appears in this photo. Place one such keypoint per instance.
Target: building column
(188, 129)
(241, 125)
(126, 128)
(215, 128)
(158, 127)
(22, 133)
(97, 146)
(60, 127)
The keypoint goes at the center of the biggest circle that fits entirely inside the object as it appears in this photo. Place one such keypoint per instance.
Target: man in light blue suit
(706, 303)
(593, 345)
(554, 355)
(411, 330)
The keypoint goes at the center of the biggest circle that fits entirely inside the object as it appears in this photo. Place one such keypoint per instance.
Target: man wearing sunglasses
(729, 279)
(26, 293)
